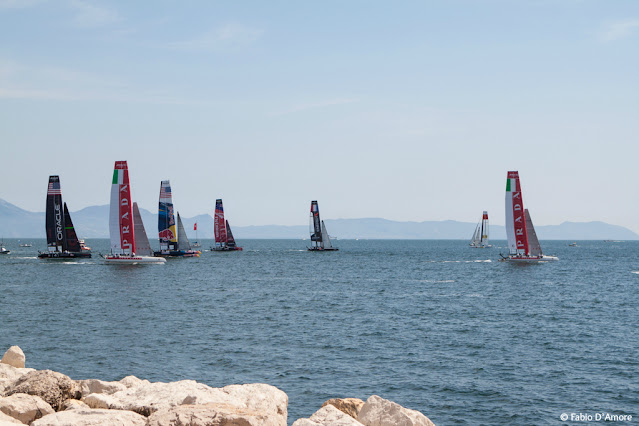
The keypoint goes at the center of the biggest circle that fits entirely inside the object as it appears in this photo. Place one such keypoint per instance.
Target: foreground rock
(326, 416)
(212, 414)
(90, 417)
(87, 387)
(14, 357)
(25, 408)
(9, 374)
(53, 387)
(378, 411)
(8, 420)
(350, 406)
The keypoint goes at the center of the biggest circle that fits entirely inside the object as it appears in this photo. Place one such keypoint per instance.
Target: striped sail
(484, 229)
(166, 220)
(183, 240)
(142, 245)
(533, 241)
(515, 221)
(54, 216)
(219, 225)
(120, 213)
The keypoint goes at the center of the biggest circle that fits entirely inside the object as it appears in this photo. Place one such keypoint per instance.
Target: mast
(166, 220)
(55, 216)
(142, 245)
(120, 214)
(515, 221)
(219, 224)
(71, 242)
(230, 240)
(316, 226)
(183, 240)
(533, 241)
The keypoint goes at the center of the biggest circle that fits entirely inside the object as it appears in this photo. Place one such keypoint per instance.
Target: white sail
(484, 229)
(183, 240)
(326, 240)
(476, 238)
(533, 241)
(142, 245)
(114, 212)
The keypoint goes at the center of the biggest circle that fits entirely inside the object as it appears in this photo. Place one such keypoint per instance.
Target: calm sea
(433, 325)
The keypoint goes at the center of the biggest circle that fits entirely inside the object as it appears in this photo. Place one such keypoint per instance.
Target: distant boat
(523, 244)
(62, 241)
(572, 245)
(122, 223)
(480, 236)
(25, 245)
(196, 243)
(224, 240)
(320, 240)
(3, 250)
(169, 232)
(83, 246)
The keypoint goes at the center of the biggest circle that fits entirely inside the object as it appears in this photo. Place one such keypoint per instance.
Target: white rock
(378, 411)
(132, 381)
(25, 408)
(8, 372)
(261, 397)
(98, 386)
(14, 357)
(89, 417)
(8, 420)
(51, 386)
(350, 406)
(328, 416)
(100, 400)
(212, 414)
(73, 404)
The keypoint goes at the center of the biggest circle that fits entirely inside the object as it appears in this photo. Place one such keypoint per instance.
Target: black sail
(55, 216)
(230, 241)
(316, 233)
(71, 238)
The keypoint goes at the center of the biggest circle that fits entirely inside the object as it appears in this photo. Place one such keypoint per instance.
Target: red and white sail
(515, 219)
(219, 225)
(120, 214)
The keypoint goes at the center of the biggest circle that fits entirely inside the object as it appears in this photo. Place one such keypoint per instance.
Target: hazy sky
(408, 110)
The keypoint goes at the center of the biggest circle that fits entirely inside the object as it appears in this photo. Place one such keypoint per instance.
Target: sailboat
(480, 236)
(3, 250)
(224, 240)
(62, 241)
(523, 243)
(196, 243)
(169, 232)
(122, 223)
(320, 240)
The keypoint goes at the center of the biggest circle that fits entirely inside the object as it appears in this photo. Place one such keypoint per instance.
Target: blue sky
(410, 110)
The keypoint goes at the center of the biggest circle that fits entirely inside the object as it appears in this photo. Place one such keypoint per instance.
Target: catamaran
(523, 243)
(3, 250)
(196, 243)
(170, 237)
(224, 240)
(62, 241)
(480, 236)
(122, 223)
(320, 240)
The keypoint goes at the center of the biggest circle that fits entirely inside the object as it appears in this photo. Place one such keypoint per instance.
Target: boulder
(87, 387)
(25, 408)
(9, 374)
(350, 406)
(328, 415)
(72, 404)
(8, 420)
(100, 400)
(261, 397)
(378, 411)
(211, 415)
(14, 357)
(49, 385)
(132, 382)
(89, 417)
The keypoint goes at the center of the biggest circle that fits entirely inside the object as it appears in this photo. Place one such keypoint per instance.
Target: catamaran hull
(226, 249)
(64, 255)
(133, 260)
(177, 253)
(322, 249)
(531, 259)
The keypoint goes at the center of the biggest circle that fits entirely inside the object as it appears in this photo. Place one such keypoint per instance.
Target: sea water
(435, 326)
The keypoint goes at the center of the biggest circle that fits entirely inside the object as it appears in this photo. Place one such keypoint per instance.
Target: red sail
(126, 214)
(219, 224)
(521, 237)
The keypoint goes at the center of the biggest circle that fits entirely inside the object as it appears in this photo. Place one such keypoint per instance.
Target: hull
(64, 255)
(322, 249)
(177, 253)
(530, 259)
(4, 251)
(132, 260)
(480, 246)
(226, 249)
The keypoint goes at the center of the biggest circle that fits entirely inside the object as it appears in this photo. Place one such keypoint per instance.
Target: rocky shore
(48, 398)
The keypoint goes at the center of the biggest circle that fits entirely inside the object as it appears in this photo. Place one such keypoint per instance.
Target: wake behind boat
(224, 240)
(523, 243)
(480, 236)
(122, 223)
(320, 240)
(62, 240)
(173, 239)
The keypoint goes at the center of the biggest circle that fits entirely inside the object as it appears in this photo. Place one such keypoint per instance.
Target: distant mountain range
(93, 222)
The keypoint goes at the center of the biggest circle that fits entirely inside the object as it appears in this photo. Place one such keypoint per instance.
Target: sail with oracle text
(167, 229)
